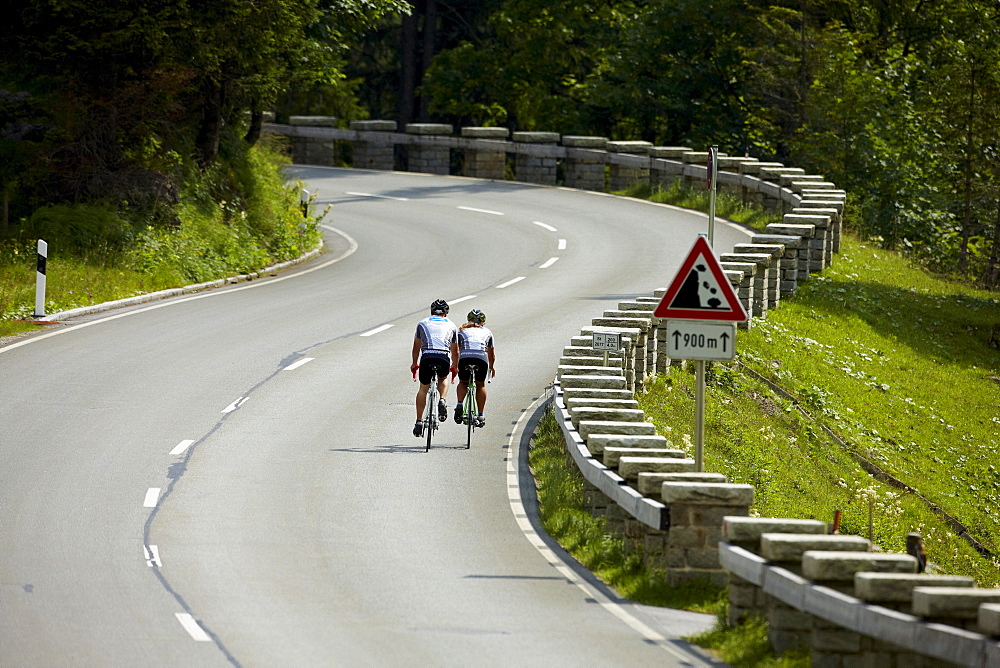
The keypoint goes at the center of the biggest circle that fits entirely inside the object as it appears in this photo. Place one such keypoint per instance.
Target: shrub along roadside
(234, 218)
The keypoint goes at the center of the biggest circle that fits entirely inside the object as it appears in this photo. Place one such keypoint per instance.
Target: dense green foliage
(118, 105)
(894, 101)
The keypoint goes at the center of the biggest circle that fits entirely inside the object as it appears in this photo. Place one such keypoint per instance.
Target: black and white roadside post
(43, 251)
(701, 310)
(304, 197)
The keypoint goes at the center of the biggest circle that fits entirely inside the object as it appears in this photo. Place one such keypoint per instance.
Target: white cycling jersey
(436, 335)
(473, 342)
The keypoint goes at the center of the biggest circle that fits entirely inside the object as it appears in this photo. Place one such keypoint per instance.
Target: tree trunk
(408, 67)
(429, 34)
(210, 132)
(5, 218)
(256, 124)
(991, 279)
(963, 256)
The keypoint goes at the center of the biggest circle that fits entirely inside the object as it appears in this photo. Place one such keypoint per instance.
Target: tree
(129, 85)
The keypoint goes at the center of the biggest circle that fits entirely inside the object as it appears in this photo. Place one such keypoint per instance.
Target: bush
(76, 228)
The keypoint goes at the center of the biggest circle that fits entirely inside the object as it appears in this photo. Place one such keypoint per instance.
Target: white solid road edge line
(296, 365)
(545, 226)
(376, 330)
(548, 263)
(152, 496)
(191, 626)
(511, 282)
(521, 517)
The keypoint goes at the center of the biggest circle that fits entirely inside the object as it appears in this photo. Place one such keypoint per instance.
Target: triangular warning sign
(701, 291)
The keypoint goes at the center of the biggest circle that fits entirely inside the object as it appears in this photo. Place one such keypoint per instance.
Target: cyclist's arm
(415, 355)
(454, 356)
(492, 357)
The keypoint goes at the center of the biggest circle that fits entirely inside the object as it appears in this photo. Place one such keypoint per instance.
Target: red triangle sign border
(666, 308)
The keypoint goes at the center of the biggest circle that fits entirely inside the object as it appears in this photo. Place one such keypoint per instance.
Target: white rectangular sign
(610, 341)
(701, 340)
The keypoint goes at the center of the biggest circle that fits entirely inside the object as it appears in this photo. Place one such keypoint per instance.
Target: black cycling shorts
(431, 361)
(482, 368)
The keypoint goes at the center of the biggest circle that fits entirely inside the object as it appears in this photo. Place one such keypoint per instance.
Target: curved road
(230, 478)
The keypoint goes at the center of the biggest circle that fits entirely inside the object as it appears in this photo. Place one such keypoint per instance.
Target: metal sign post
(699, 392)
(713, 168)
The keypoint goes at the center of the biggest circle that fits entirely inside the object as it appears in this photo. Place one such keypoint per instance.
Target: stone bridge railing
(836, 594)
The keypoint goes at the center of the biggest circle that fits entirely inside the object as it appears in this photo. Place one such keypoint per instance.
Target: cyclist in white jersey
(435, 345)
(475, 347)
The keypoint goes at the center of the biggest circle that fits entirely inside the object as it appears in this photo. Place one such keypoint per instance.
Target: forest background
(125, 105)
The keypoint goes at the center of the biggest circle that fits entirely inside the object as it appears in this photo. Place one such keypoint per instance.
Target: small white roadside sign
(608, 341)
(701, 340)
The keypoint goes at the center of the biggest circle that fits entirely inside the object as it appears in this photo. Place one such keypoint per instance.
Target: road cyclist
(476, 360)
(435, 346)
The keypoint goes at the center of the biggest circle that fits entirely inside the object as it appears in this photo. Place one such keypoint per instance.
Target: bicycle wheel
(470, 420)
(430, 422)
(470, 406)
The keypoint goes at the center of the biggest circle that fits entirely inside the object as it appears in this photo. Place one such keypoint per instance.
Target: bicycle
(431, 418)
(470, 409)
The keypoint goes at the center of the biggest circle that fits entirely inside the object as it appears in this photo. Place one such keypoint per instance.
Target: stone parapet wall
(851, 605)
(589, 163)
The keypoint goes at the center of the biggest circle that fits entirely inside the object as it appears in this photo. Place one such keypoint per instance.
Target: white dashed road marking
(236, 404)
(547, 227)
(487, 211)
(548, 263)
(191, 626)
(376, 330)
(152, 496)
(562, 244)
(297, 364)
(462, 299)
(397, 199)
(511, 282)
(152, 554)
(181, 447)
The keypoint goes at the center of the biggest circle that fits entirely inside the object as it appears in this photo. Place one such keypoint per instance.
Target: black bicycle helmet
(476, 316)
(439, 307)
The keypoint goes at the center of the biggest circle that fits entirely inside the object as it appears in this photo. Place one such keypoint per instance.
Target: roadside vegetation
(228, 220)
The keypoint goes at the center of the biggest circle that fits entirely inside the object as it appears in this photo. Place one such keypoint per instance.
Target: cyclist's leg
(421, 400)
(460, 390)
(424, 377)
(482, 368)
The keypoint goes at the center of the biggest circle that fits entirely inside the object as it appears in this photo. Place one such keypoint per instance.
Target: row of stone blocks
(589, 163)
(851, 605)
(600, 408)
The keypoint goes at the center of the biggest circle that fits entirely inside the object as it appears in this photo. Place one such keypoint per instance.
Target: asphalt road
(230, 478)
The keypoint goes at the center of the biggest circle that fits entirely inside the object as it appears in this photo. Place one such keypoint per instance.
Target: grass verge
(888, 410)
(233, 219)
